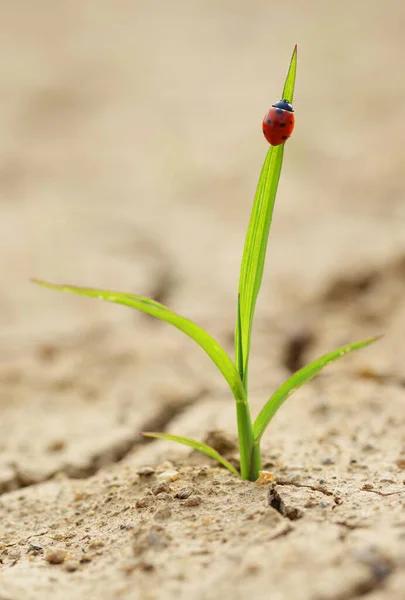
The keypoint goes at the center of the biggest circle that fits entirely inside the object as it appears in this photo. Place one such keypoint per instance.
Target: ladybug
(278, 124)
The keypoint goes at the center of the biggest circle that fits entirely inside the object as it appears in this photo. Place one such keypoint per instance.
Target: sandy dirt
(130, 149)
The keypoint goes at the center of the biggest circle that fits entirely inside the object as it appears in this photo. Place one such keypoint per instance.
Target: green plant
(251, 272)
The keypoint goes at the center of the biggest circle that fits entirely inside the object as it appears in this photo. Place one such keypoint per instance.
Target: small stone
(193, 501)
(367, 486)
(166, 497)
(328, 460)
(400, 463)
(146, 471)
(55, 557)
(33, 549)
(163, 513)
(160, 488)
(184, 493)
(56, 445)
(146, 566)
(144, 502)
(87, 557)
(96, 544)
(168, 476)
(265, 477)
(71, 566)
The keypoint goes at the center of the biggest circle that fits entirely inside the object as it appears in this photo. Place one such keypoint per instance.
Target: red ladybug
(278, 124)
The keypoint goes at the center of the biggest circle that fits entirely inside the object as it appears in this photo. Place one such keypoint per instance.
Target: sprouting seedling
(277, 127)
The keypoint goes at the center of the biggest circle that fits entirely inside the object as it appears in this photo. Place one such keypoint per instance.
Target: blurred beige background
(131, 146)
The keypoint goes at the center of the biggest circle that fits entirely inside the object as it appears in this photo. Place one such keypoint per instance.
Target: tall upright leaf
(254, 252)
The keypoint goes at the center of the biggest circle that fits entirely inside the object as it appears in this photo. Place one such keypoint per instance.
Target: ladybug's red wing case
(278, 124)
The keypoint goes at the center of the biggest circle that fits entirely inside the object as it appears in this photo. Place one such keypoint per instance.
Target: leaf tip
(375, 338)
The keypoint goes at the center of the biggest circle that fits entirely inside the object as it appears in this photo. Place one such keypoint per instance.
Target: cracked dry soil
(108, 178)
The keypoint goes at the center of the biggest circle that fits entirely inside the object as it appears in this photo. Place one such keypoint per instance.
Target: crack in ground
(111, 455)
(275, 500)
(314, 488)
(382, 493)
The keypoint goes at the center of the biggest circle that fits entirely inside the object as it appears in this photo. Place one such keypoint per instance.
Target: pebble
(96, 544)
(193, 501)
(144, 501)
(161, 488)
(87, 557)
(184, 493)
(166, 497)
(265, 477)
(146, 471)
(168, 476)
(71, 566)
(328, 460)
(55, 557)
(56, 445)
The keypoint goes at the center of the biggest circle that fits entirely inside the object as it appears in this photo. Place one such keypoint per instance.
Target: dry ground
(129, 152)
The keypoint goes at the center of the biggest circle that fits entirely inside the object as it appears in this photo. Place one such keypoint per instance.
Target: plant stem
(255, 461)
(245, 435)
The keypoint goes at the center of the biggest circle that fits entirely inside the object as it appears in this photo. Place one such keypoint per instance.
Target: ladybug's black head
(284, 105)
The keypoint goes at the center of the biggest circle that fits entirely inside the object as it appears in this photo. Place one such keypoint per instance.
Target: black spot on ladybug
(290, 122)
(282, 124)
(283, 137)
(279, 111)
(268, 122)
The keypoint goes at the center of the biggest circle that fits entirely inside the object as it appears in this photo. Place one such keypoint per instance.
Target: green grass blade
(288, 91)
(238, 342)
(297, 380)
(196, 445)
(155, 309)
(254, 252)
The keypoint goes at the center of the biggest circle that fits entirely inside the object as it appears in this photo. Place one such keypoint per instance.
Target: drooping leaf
(155, 309)
(299, 379)
(196, 445)
(254, 253)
